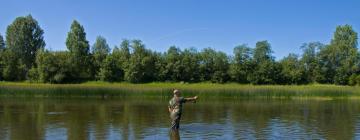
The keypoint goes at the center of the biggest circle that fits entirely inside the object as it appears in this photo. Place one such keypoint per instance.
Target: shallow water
(77, 119)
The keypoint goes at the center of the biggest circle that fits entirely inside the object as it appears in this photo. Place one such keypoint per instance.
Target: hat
(176, 91)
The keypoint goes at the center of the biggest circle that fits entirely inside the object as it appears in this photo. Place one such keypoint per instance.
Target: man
(175, 108)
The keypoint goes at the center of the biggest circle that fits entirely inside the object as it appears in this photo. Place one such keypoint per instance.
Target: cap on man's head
(176, 91)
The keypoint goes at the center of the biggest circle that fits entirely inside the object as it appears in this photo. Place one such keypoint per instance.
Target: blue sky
(220, 24)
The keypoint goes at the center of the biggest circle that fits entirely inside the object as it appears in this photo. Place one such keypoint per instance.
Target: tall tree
(325, 69)
(263, 52)
(213, 66)
(120, 56)
(141, 67)
(79, 52)
(24, 38)
(174, 67)
(265, 69)
(190, 61)
(160, 66)
(100, 50)
(339, 60)
(241, 67)
(309, 60)
(206, 64)
(221, 67)
(2, 48)
(345, 41)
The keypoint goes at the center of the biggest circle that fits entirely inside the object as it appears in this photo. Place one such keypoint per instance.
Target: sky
(219, 24)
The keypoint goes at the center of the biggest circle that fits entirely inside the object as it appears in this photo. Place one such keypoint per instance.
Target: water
(77, 119)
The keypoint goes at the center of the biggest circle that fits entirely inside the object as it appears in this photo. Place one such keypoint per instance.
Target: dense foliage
(23, 57)
(24, 38)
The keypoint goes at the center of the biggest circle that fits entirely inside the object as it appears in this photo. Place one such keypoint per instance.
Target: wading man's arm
(191, 99)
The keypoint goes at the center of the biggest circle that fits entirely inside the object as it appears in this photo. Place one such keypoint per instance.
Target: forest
(24, 57)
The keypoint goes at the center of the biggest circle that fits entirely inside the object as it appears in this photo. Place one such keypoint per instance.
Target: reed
(164, 90)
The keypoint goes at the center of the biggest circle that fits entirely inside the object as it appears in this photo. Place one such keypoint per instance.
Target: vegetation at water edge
(164, 90)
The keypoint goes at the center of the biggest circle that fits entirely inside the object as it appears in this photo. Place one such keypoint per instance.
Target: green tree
(141, 64)
(63, 73)
(291, 70)
(46, 66)
(120, 57)
(352, 80)
(241, 66)
(357, 79)
(345, 42)
(177, 65)
(263, 52)
(190, 61)
(174, 67)
(110, 70)
(79, 52)
(266, 71)
(24, 38)
(100, 50)
(53, 67)
(160, 66)
(221, 67)
(325, 69)
(2, 48)
(206, 64)
(309, 60)
(339, 60)
(122, 54)
(2, 43)
(213, 66)
(14, 68)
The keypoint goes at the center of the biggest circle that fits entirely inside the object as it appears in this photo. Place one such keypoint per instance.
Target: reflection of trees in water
(132, 118)
(77, 122)
(24, 121)
(332, 119)
(103, 121)
(207, 113)
(5, 117)
(337, 119)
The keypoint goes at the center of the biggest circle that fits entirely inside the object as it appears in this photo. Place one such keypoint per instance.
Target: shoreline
(163, 89)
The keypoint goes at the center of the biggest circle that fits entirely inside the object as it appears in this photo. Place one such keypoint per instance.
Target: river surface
(77, 119)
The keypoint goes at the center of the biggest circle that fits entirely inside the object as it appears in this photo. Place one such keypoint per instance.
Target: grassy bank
(205, 90)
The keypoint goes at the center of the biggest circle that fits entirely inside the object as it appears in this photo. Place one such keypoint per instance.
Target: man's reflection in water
(174, 135)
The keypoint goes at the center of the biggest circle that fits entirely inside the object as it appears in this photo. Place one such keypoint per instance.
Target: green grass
(164, 90)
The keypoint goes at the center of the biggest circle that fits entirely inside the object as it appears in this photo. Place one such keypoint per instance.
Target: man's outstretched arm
(191, 99)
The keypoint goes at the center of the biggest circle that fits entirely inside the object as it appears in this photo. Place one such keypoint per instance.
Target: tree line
(23, 56)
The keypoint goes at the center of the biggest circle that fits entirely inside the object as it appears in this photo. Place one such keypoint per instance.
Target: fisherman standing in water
(175, 108)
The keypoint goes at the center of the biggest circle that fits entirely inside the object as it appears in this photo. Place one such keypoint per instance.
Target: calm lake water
(77, 119)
